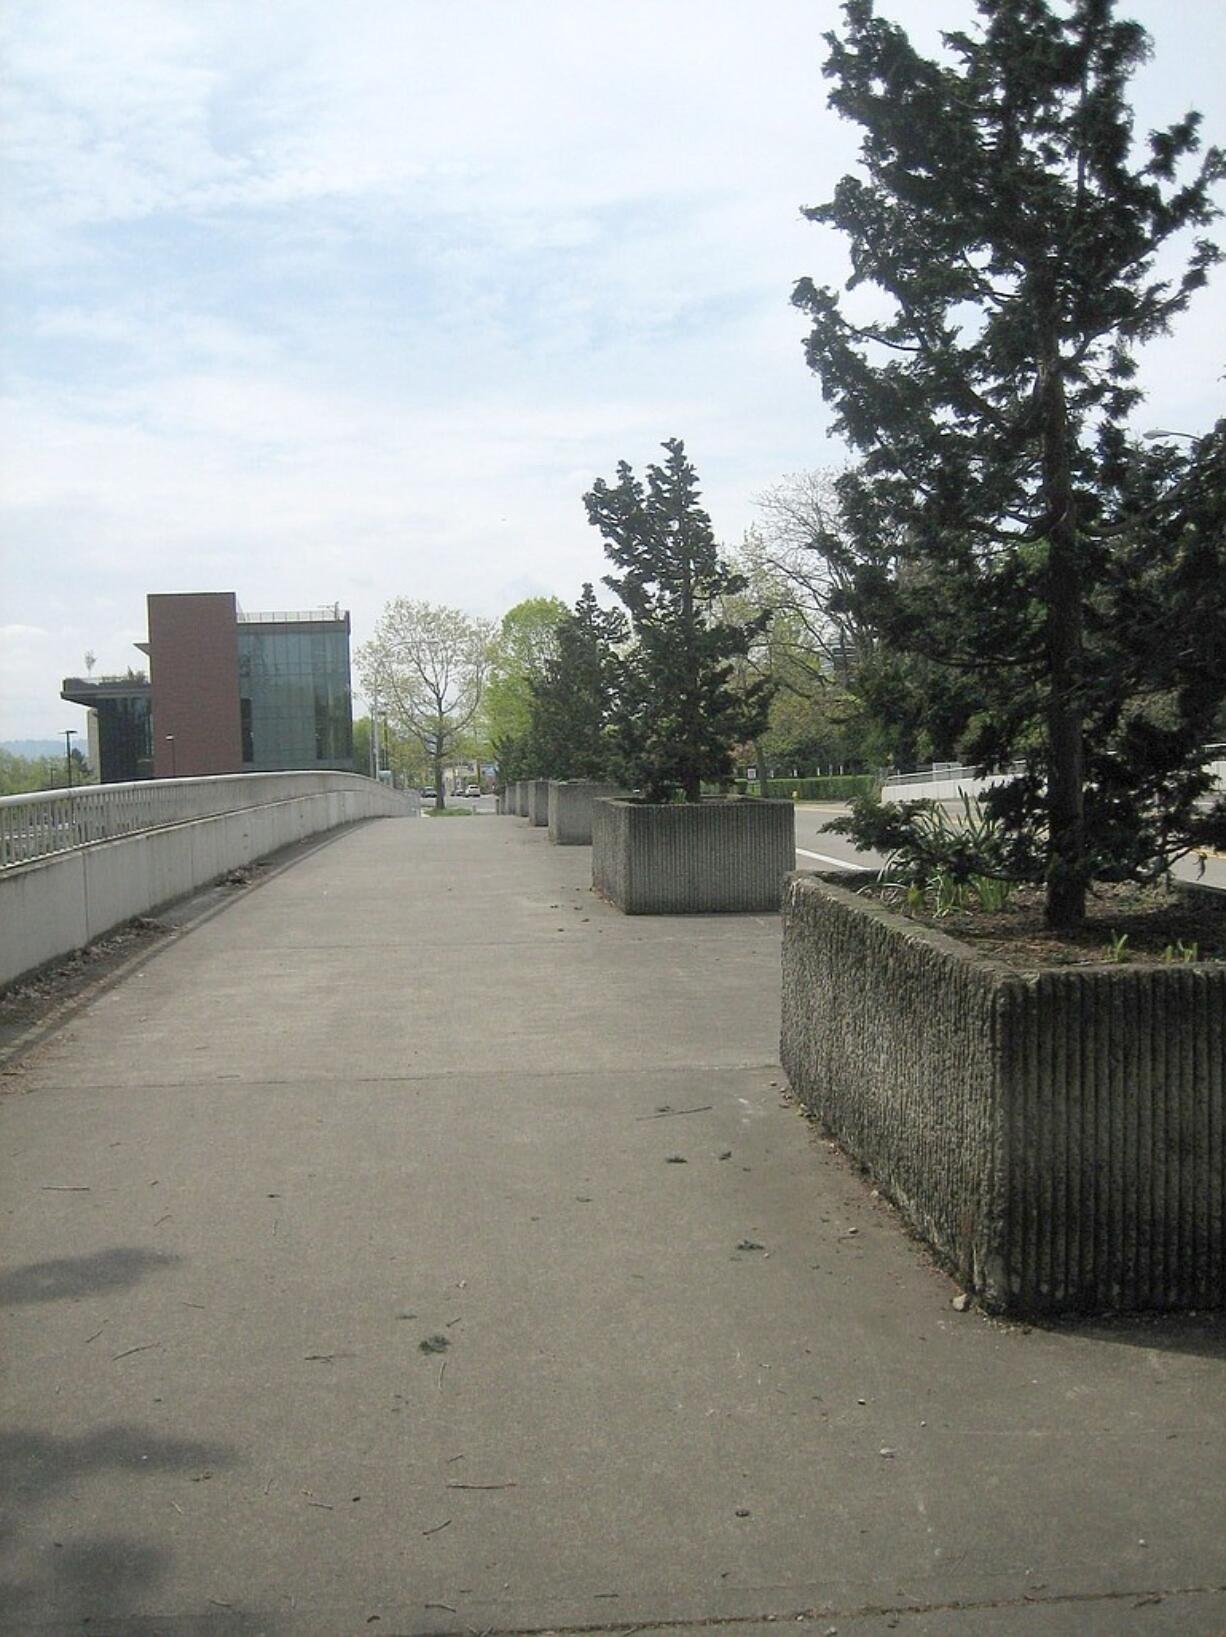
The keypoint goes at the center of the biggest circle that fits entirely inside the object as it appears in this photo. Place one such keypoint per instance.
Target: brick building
(227, 692)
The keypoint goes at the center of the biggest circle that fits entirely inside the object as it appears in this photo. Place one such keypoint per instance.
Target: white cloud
(315, 302)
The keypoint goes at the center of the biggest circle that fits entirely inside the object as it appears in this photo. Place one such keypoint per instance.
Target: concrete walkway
(420, 1246)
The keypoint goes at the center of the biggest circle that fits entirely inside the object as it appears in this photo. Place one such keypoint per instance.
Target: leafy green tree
(426, 665)
(574, 703)
(1014, 238)
(404, 757)
(526, 639)
(525, 642)
(678, 714)
(22, 775)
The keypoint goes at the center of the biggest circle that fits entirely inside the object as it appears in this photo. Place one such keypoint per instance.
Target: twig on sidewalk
(128, 1351)
(437, 1527)
(668, 1113)
(511, 1485)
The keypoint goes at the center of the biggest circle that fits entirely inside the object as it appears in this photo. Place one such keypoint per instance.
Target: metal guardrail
(43, 823)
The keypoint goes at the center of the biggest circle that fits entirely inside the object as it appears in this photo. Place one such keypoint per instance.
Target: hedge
(833, 787)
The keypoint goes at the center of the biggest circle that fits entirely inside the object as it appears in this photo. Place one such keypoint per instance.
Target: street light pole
(69, 735)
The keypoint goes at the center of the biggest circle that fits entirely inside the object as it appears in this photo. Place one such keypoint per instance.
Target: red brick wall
(193, 666)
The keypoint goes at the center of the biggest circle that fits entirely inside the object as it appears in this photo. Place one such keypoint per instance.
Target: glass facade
(121, 729)
(125, 739)
(295, 697)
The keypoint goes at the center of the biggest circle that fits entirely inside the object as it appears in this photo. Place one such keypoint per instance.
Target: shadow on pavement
(1200, 1334)
(73, 1276)
(94, 1578)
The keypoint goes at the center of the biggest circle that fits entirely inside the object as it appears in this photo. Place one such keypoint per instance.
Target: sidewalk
(419, 1246)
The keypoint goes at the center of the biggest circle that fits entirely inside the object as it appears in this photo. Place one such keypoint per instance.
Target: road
(817, 850)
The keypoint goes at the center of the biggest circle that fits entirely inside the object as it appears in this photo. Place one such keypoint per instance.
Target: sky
(328, 303)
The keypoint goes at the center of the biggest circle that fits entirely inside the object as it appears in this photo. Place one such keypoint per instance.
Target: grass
(447, 812)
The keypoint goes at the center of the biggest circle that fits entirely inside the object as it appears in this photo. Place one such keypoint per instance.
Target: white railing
(54, 821)
(300, 616)
(945, 780)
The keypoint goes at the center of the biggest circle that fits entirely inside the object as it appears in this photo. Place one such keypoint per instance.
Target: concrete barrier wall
(570, 809)
(57, 904)
(1060, 1138)
(538, 802)
(692, 858)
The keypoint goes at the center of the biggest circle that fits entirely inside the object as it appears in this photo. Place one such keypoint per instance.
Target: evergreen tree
(1006, 220)
(574, 702)
(678, 717)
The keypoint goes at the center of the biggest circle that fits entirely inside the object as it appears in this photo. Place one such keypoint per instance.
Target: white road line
(825, 858)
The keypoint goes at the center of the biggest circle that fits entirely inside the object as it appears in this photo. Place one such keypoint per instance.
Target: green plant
(942, 858)
(1004, 525)
(1179, 951)
(1117, 949)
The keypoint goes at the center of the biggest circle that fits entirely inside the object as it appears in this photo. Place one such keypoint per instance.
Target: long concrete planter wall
(1059, 1138)
(61, 903)
(570, 809)
(699, 858)
(538, 802)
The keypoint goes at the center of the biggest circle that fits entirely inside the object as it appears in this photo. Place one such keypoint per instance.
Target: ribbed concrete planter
(570, 809)
(704, 858)
(538, 802)
(520, 808)
(1059, 1138)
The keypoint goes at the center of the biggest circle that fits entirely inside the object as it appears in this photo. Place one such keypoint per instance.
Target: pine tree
(574, 702)
(678, 717)
(1005, 219)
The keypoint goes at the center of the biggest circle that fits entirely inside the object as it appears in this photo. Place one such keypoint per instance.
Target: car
(426, 790)
(472, 789)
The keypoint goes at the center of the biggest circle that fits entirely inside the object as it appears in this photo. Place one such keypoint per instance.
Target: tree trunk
(1066, 845)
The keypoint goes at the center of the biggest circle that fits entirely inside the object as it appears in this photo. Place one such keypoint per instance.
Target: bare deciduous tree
(426, 665)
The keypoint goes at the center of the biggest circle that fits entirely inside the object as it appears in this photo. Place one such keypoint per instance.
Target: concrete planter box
(519, 799)
(1059, 1138)
(570, 809)
(538, 802)
(705, 858)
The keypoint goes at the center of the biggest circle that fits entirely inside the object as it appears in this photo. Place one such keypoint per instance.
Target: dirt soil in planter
(1124, 924)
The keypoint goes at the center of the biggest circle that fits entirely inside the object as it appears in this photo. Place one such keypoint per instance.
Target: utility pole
(69, 735)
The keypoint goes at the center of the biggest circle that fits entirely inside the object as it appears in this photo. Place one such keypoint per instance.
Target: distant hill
(32, 749)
